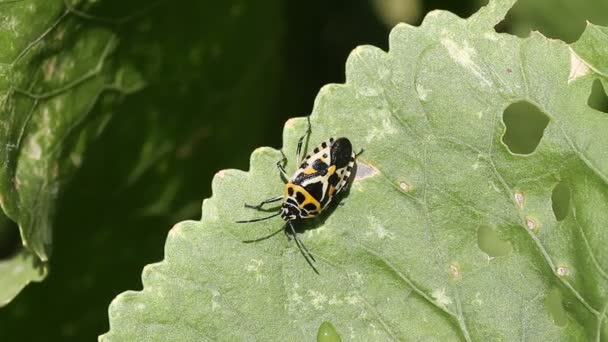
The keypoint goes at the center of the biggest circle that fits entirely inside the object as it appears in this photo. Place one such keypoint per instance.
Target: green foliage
(406, 254)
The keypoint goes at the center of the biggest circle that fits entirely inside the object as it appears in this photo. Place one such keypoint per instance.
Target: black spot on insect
(315, 190)
(316, 150)
(290, 200)
(348, 168)
(324, 145)
(307, 157)
(324, 155)
(300, 197)
(304, 165)
(290, 191)
(310, 207)
(320, 166)
(331, 140)
(333, 179)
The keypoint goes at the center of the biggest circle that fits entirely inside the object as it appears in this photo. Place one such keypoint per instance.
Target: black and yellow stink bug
(320, 178)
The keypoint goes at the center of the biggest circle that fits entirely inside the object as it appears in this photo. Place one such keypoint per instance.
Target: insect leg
(358, 153)
(299, 148)
(265, 237)
(281, 166)
(303, 248)
(260, 219)
(259, 206)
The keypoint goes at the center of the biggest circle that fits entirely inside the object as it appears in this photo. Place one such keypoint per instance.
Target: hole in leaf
(10, 241)
(525, 125)
(490, 242)
(463, 9)
(598, 99)
(560, 199)
(553, 303)
(560, 19)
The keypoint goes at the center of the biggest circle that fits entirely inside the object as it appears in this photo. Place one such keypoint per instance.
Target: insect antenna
(303, 248)
(260, 219)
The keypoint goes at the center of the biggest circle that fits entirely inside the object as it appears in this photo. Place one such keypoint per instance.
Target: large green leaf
(446, 234)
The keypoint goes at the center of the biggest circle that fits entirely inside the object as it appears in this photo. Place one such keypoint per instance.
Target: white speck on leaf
(531, 224)
(317, 299)
(563, 271)
(215, 295)
(352, 299)
(423, 93)
(455, 272)
(441, 297)
(34, 151)
(378, 229)
(334, 301)
(254, 267)
(519, 199)
(477, 301)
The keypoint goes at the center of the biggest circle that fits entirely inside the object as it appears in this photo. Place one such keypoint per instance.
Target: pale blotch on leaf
(455, 272)
(578, 68)
(519, 199)
(441, 297)
(531, 224)
(405, 186)
(464, 55)
(317, 299)
(49, 68)
(423, 92)
(379, 230)
(365, 170)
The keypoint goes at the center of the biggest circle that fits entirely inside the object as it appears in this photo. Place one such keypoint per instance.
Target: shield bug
(319, 179)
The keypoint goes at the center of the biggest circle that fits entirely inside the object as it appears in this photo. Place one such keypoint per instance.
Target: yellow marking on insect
(309, 170)
(331, 170)
(332, 190)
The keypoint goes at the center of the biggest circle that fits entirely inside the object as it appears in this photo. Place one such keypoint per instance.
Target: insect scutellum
(321, 176)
